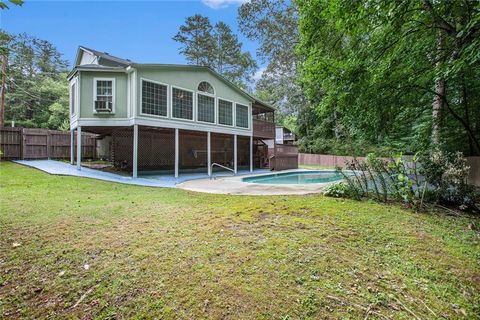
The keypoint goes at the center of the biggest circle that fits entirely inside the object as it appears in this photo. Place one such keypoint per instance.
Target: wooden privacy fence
(27, 143)
(474, 173)
(325, 160)
(340, 161)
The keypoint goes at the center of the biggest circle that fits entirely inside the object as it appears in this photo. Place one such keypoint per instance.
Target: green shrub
(447, 174)
(435, 177)
(340, 190)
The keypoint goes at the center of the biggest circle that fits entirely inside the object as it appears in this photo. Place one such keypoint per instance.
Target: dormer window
(206, 87)
(104, 95)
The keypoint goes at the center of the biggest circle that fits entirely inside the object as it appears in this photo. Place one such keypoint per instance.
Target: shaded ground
(76, 247)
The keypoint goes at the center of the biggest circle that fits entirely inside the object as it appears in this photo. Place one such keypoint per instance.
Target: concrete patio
(160, 180)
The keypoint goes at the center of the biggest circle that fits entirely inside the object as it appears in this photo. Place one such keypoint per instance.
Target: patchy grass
(174, 254)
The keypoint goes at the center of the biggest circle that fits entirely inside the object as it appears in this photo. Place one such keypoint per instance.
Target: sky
(141, 31)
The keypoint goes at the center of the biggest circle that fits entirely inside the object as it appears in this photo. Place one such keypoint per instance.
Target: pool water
(299, 177)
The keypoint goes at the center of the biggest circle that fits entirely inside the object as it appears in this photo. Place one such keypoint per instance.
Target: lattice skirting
(156, 149)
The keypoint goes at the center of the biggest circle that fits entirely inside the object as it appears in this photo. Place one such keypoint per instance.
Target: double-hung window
(182, 104)
(205, 108)
(154, 98)
(225, 112)
(241, 117)
(104, 95)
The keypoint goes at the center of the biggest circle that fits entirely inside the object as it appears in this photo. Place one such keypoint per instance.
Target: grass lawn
(73, 247)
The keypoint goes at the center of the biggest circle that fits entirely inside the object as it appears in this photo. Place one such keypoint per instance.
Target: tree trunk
(336, 126)
(2, 91)
(438, 97)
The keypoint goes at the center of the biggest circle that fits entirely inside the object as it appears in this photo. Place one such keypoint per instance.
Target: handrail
(219, 165)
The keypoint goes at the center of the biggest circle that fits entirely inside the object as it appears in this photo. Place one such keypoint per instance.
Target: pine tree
(216, 47)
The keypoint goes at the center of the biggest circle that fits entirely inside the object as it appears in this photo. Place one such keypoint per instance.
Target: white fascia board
(89, 122)
(188, 125)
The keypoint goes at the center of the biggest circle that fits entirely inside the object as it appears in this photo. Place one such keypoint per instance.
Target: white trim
(95, 80)
(235, 153)
(177, 148)
(249, 115)
(251, 153)
(193, 103)
(233, 113)
(206, 93)
(135, 93)
(209, 153)
(79, 96)
(72, 147)
(73, 112)
(214, 108)
(79, 148)
(141, 98)
(186, 125)
(129, 95)
(135, 151)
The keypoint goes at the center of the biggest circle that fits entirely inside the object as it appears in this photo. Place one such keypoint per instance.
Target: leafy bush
(340, 190)
(447, 173)
(436, 178)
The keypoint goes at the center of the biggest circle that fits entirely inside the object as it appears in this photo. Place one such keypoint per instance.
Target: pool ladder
(219, 165)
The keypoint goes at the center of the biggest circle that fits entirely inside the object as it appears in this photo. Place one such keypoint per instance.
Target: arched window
(204, 86)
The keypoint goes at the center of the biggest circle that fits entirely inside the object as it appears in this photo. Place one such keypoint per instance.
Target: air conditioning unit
(103, 106)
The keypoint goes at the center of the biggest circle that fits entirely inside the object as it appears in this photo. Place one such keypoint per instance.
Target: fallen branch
(455, 213)
(434, 314)
(84, 296)
(368, 310)
(405, 307)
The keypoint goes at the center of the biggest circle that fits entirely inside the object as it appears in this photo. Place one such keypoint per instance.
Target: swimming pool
(298, 177)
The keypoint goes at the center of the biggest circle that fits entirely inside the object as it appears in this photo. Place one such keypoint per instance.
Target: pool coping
(235, 185)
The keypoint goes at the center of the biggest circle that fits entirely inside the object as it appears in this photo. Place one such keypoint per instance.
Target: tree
(36, 79)
(398, 75)
(198, 44)
(3, 4)
(274, 24)
(216, 47)
(230, 61)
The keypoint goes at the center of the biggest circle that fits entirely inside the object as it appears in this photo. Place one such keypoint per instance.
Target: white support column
(235, 153)
(135, 150)
(209, 155)
(176, 152)
(79, 147)
(251, 153)
(72, 146)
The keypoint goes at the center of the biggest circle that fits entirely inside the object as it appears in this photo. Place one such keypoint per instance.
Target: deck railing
(263, 129)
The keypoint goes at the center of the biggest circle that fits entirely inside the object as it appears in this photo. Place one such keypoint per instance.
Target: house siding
(128, 102)
(86, 94)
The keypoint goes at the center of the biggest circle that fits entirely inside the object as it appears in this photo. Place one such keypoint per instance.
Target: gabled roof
(123, 64)
(102, 55)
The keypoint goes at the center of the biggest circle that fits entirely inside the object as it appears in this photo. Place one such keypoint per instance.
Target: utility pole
(2, 90)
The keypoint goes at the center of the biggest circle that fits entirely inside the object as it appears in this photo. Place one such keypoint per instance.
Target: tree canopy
(274, 24)
(216, 47)
(36, 86)
(399, 75)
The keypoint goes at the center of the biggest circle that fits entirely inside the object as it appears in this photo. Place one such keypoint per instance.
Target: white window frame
(95, 80)
(194, 109)
(75, 106)
(206, 93)
(214, 107)
(248, 115)
(168, 98)
(233, 113)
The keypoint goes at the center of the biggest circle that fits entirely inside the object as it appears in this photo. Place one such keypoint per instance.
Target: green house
(164, 117)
